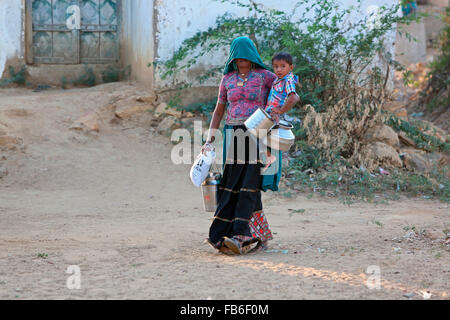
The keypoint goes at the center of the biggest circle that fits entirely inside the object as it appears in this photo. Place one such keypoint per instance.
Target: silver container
(281, 136)
(259, 123)
(209, 191)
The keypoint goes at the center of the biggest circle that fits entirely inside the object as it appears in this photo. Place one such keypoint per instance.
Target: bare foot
(270, 159)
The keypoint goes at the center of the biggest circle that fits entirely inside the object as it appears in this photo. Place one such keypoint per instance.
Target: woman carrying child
(239, 220)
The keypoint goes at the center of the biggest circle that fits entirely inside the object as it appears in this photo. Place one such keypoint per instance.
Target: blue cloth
(409, 8)
(243, 48)
(269, 181)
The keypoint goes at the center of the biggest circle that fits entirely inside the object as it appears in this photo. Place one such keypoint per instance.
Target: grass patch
(355, 185)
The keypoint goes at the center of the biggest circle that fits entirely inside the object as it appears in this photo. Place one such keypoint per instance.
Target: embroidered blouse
(244, 97)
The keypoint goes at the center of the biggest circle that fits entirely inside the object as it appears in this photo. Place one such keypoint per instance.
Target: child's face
(281, 68)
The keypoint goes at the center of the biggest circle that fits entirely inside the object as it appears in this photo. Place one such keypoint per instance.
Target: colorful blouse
(244, 97)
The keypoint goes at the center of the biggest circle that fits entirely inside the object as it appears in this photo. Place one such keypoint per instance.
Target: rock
(393, 106)
(10, 142)
(382, 133)
(385, 154)
(107, 113)
(187, 122)
(129, 111)
(405, 140)
(151, 99)
(142, 119)
(416, 162)
(163, 108)
(88, 122)
(167, 124)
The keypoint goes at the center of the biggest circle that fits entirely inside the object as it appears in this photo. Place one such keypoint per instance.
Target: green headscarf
(243, 48)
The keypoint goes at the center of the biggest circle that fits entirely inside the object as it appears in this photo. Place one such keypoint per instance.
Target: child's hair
(283, 56)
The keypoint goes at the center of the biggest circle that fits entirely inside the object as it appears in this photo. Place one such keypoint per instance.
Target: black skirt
(239, 212)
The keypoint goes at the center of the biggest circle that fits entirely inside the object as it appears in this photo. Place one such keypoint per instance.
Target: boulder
(403, 138)
(163, 108)
(416, 162)
(382, 133)
(383, 153)
(150, 99)
(127, 112)
(107, 112)
(88, 122)
(167, 124)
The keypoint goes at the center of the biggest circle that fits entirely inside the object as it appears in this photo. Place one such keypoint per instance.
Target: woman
(239, 219)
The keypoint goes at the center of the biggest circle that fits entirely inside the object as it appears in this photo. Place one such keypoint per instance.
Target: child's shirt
(281, 88)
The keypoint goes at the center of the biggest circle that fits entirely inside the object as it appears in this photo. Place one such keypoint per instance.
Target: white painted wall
(180, 19)
(11, 31)
(137, 40)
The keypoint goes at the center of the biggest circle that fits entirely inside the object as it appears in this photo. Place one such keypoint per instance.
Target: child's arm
(291, 101)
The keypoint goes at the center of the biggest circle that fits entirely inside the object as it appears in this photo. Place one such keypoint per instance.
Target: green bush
(115, 74)
(331, 55)
(88, 78)
(18, 77)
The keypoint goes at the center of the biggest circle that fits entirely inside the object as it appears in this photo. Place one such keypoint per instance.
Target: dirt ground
(114, 205)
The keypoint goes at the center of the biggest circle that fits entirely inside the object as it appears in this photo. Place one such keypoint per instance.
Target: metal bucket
(281, 136)
(209, 191)
(259, 123)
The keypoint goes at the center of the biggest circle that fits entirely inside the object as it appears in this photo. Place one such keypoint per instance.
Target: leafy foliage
(437, 92)
(88, 78)
(413, 131)
(336, 52)
(333, 47)
(115, 74)
(16, 77)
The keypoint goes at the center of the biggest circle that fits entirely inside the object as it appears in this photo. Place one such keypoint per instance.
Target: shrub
(18, 77)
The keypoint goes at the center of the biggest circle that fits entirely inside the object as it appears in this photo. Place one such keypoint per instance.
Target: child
(282, 96)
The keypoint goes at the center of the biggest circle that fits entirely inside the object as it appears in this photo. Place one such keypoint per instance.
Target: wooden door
(73, 31)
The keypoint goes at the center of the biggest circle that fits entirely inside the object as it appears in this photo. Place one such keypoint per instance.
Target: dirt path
(114, 205)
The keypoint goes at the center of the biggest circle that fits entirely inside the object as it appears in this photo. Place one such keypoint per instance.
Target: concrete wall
(180, 19)
(433, 23)
(11, 33)
(149, 29)
(408, 52)
(137, 38)
(441, 3)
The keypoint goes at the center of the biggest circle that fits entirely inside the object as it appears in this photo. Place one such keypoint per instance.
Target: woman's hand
(207, 145)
